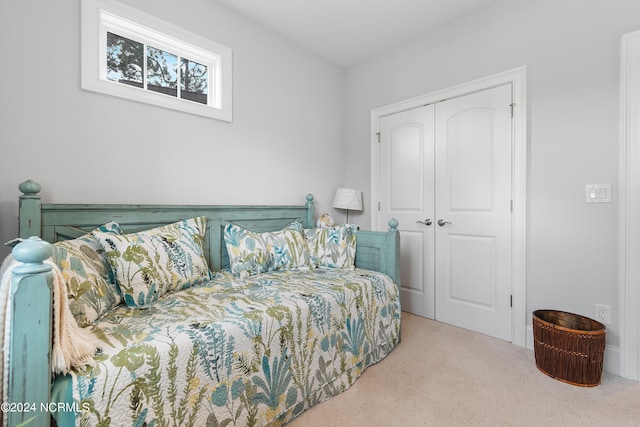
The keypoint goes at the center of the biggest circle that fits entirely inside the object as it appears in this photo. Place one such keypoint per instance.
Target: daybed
(191, 315)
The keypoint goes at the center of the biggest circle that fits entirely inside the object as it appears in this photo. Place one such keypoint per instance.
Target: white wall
(82, 146)
(571, 50)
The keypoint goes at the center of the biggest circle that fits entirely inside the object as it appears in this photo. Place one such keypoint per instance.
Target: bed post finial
(311, 212)
(30, 209)
(32, 252)
(393, 224)
(30, 188)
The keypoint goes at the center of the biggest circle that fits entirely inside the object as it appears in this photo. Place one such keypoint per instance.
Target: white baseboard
(611, 354)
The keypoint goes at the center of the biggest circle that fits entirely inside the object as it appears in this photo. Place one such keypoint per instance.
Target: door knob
(425, 222)
(442, 222)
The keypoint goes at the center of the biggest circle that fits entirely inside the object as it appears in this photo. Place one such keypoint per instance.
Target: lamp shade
(348, 198)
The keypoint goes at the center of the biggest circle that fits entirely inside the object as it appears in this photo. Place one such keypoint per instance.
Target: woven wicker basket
(569, 347)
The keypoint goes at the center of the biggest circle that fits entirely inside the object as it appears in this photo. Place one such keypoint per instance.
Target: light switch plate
(597, 193)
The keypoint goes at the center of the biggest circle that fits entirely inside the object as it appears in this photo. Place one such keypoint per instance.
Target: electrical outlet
(603, 313)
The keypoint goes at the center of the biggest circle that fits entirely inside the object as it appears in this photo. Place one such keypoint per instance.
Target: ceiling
(349, 31)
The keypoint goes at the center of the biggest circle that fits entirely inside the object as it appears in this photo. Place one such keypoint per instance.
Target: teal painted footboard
(29, 362)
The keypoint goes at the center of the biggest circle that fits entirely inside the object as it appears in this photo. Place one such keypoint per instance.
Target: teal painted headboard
(377, 251)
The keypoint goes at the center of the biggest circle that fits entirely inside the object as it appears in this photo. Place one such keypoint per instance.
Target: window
(130, 54)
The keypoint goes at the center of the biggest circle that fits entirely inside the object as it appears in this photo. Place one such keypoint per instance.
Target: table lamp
(349, 199)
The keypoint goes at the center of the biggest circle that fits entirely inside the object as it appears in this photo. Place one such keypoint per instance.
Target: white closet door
(473, 212)
(406, 193)
(445, 174)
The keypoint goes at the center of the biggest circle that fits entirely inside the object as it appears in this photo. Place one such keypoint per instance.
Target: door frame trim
(629, 232)
(518, 79)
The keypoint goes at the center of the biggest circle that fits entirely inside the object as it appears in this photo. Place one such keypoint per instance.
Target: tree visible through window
(125, 60)
(126, 64)
(194, 80)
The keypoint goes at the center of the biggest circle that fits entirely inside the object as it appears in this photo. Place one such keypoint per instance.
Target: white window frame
(102, 16)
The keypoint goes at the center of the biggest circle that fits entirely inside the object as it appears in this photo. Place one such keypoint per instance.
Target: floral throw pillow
(150, 263)
(252, 253)
(90, 286)
(333, 247)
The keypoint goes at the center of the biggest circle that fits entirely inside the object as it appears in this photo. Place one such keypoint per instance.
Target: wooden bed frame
(29, 378)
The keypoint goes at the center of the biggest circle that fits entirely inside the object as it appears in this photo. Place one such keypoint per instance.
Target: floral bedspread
(253, 351)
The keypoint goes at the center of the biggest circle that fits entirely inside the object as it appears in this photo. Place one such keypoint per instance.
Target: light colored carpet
(441, 375)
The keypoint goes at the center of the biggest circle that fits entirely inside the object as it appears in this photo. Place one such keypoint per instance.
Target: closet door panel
(406, 193)
(473, 210)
